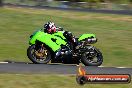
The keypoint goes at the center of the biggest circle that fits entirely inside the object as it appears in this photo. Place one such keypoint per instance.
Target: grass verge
(48, 81)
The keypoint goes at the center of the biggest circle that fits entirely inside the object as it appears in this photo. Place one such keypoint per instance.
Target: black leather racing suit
(68, 35)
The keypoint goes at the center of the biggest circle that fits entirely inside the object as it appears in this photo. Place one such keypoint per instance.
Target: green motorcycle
(43, 48)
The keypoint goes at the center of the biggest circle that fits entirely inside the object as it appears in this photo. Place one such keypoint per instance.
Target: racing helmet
(50, 27)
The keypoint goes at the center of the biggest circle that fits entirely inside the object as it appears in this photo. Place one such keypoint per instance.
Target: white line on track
(120, 67)
(113, 67)
(101, 66)
(3, 62)
(76, 65)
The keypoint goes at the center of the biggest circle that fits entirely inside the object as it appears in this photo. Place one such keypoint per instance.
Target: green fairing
(46, 39)
(60, 34)
(84, 36)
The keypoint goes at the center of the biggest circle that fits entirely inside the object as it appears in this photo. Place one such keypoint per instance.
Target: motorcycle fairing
(84, 36)
(48, 39)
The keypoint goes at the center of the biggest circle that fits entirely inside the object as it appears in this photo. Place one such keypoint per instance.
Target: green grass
(114, 32)
(48, 81)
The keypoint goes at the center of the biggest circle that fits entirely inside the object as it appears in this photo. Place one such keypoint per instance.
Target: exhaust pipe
(91, 40)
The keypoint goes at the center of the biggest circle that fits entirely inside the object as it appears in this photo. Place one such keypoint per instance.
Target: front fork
(40, 50)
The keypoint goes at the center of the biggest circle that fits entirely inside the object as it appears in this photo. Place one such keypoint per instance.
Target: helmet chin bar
(51, 30)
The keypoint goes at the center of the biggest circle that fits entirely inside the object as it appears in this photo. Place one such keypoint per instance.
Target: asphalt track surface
(19, 68)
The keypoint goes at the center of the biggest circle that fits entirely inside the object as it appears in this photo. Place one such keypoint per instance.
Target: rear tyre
(88, 60)
(36, 57)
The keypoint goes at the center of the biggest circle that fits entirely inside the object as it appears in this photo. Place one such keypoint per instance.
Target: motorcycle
(43, 48)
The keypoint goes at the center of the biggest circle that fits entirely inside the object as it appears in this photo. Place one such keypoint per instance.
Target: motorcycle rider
(51, 28)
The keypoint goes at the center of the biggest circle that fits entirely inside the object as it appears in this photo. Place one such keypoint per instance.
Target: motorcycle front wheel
(92, 57)
(38, 56)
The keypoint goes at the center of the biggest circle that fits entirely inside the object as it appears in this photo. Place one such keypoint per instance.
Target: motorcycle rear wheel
(37, 59)
(88, 61)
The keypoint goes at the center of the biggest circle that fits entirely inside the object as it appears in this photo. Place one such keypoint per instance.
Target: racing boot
(78, 46)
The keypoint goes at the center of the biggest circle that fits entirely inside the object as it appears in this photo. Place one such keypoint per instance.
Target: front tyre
(92, 57)
(39, 55)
